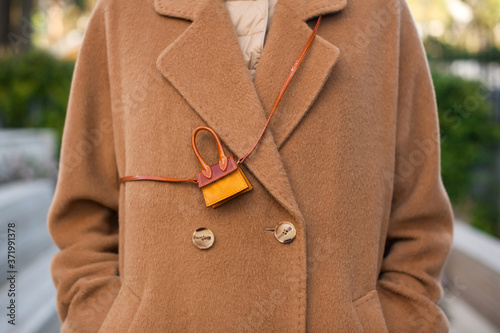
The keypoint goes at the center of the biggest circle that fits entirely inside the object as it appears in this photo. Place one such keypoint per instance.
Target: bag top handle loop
(207, 171)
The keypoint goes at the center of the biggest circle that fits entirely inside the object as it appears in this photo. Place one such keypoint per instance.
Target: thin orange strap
(242, 159)
(158, 178)
(285, 85)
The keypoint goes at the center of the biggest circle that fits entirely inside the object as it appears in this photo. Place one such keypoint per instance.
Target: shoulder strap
(285, 85)
(158, 178)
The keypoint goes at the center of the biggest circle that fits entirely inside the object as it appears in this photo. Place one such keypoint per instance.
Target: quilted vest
(251, 19)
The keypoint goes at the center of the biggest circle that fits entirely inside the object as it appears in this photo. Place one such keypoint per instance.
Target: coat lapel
(206, 65)
(278, 58)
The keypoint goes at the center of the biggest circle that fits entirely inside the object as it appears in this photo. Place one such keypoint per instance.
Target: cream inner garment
(251, 19)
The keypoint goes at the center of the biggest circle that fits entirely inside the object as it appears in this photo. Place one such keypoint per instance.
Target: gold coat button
(203, 238)
(285, 232)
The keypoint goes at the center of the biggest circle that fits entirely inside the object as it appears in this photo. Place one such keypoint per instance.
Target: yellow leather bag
(222, 181)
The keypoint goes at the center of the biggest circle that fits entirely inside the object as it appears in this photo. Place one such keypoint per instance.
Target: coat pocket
(122, 311)
(370, 313)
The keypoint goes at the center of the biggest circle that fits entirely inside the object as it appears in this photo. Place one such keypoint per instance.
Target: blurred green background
(462, 40)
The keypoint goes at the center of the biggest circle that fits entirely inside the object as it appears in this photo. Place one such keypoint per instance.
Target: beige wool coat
(351, 159)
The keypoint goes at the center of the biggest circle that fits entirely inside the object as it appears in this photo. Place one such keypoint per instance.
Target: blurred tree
(15, 26)
(472, 25)
(480, 30)
(21, 20)
(469, 142)
(442, 51)
(4, 22)
(34, 90)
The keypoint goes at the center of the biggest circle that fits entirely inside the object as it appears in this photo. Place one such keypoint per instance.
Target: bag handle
(206, 170)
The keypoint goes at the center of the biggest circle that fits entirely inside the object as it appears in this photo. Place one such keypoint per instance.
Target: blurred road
(25, 204)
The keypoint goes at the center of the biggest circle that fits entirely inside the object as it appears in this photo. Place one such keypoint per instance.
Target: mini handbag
(225, 180)
(222, 181)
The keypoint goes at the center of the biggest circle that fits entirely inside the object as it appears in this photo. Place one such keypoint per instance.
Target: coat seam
(132, 292)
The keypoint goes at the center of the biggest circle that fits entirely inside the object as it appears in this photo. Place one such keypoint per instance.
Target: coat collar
(206, 65)
(191, 9)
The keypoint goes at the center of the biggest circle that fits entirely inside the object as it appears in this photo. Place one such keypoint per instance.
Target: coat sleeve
(83, 218)
(419, 234)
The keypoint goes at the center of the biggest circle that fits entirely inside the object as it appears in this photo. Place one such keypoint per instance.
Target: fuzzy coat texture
(351, 158)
